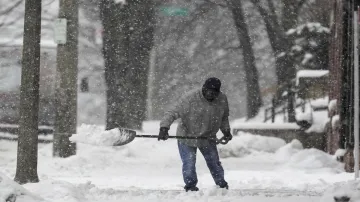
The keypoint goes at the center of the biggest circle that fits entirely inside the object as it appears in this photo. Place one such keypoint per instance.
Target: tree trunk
(115, 56)
(110, 59)
(66, 83)
(141, 43)
(26, 168)
(127, 43)
(253, 99)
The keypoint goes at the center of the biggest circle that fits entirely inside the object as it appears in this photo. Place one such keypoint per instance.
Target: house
(90, 66)
(339, 132)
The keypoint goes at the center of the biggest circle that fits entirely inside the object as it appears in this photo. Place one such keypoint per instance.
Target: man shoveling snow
(202, 112)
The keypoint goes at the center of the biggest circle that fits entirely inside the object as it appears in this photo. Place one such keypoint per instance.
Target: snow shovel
(127, 136)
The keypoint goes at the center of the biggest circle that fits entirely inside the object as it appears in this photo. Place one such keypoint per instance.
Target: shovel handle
(176, 137)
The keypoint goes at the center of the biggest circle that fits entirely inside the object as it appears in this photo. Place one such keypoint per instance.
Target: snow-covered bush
(310, 46)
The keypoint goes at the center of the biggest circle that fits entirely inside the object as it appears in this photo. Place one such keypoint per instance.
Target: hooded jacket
(198, 117)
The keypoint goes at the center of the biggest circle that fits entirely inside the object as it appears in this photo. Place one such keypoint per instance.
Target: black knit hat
(213, 84)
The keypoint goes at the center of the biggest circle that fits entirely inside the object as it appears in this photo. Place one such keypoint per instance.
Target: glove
(227, 135)
(163, 134)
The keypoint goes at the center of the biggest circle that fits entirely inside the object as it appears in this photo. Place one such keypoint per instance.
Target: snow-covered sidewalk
(257, 169)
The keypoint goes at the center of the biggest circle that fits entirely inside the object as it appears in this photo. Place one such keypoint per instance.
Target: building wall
(335, 73)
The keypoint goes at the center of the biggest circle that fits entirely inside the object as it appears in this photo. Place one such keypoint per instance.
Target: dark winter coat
(199, 117)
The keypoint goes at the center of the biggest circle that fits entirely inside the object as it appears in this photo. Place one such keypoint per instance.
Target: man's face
(210, 94)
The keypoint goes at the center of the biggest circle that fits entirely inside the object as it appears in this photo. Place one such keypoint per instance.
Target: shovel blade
(126, 136)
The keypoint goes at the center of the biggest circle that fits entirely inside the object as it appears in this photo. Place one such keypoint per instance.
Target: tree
(66, 83)
(26, 168)
(127, 42)
(276, 26)
(185, 57)
(253, 98)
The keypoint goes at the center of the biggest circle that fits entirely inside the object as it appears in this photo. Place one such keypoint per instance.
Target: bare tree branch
(272, 11)
(273, 27)
(265, 14)
(11, 8)
(13, 21)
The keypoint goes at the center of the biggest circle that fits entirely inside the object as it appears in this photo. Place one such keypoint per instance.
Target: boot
(226, 186)
(191, 189)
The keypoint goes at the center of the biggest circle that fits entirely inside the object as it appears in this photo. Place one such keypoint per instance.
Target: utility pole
(26, 167)
(66, 78)
(356, 89)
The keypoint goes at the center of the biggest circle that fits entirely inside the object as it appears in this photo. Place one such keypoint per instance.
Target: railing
(274, 110)
(13, 129)
(285, 103)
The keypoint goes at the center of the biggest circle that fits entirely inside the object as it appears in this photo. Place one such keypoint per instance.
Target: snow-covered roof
(310, 74)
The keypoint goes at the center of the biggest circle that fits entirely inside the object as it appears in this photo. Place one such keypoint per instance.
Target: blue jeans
(188, 157)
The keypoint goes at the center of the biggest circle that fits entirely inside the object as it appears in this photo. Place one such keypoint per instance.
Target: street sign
(60, 31)
(174, 11)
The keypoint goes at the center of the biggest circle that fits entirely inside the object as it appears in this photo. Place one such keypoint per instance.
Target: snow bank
(246, 143)
(350, 189)
(10, 191)
(58, 191)
(284, 154)
(96, 135)
(314, 159)
(288, 156)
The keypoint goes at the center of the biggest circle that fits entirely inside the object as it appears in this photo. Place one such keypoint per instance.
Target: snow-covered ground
(257, 168)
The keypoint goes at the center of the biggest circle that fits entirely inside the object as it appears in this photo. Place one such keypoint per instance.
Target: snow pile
(246, 143)
(10, 191)
(314, 159)
(96, 135)
(293, 155)
(284, 154)
(58, 191)
(289, 156)
(339, 154)
(350, 189)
